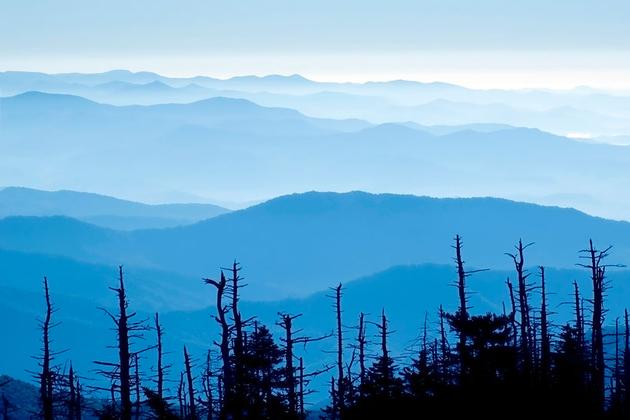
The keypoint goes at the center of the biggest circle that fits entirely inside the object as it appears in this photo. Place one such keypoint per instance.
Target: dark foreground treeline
(514, 364)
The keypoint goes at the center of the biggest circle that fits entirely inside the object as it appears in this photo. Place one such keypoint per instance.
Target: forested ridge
(516, 363)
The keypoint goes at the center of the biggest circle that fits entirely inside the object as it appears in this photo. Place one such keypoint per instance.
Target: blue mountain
(298, 244)
(273, 151)
(101, 210)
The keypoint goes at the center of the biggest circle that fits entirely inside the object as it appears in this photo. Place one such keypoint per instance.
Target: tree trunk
(46, 376)
(192, 410)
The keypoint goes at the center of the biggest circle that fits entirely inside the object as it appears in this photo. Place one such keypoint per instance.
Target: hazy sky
(484, 43)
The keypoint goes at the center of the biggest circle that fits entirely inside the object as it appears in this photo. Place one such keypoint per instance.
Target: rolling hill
(234, 150)
(298, 244)
(562, 112)
(101, 210)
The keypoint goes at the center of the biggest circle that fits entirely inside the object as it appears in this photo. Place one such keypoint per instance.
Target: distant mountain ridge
(235, 150)
(101, 210)
(295, 245)
(433, 103)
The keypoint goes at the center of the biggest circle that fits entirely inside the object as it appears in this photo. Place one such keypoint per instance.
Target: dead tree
(512, 312)
(304, 379)
(47, 375)
(545, 341)
(126, 331)
(382, 327)
(112, 395)
(579, 319)
(616, 379)
(238, 394)
(181, 398)
(74, 396)
(192, 410)
(333, 397)
(461, 290)
(361, 342)
(594, 263)
(207, 386)
(136, 385)
(423, 357)
(461, 279)
(290, 340)
(524, 288)
(287, 324)
(224, 345)
(340, 406)
(122, 323)
(160, 369)
(444, 348)
(626, 364)
(462, 275)
(301, 392)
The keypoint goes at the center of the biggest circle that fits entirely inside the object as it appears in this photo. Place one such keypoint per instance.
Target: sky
(481, 43)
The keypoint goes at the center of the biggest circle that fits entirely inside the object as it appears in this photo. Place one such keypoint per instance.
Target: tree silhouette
(119, 373)
(47, 376)
(518, 363)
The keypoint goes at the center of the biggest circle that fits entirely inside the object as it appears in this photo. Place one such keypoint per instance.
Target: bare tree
(579, 318)
(361, 342)
(445, 350)
(226, 377)
(74, 396)
(181, 397)
(136, 385)
(192, 409)
(207, 386)
(462, 275)
(626, 364)
(524, 288)
(595, 264)
(47, 375)
(290, 340)
(126, 330)
(160, 369)
(545, 341)
(341, 391)
(510, 287)
(238, 394)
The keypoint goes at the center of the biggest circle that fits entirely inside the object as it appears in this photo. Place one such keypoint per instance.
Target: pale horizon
(485, 44)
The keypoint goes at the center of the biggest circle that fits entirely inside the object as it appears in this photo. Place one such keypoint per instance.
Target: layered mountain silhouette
(101, 210)
(235, 150)
(298, 244)
(578, 110)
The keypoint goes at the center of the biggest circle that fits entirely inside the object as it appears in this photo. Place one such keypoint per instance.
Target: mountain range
(581, 110)
(391, 252)
(102, 210)
(235, 150)
(298, 244)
